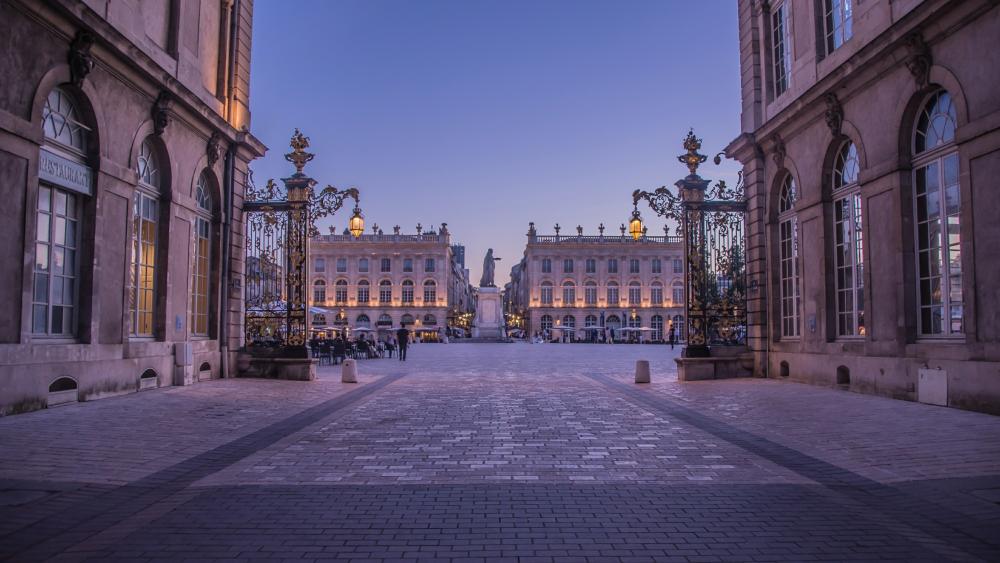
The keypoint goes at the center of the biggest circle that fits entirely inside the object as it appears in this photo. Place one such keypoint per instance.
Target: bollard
(349, 371)
(642, 371)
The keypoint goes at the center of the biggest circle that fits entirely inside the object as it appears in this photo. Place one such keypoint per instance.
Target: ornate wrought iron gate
(712, 222)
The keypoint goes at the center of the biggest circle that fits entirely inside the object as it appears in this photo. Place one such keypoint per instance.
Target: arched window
(145, 226)
(430, 320)
(385, 291)
(202, 253)
(612, 321)
(384, 320)
(319, 292)
(319, 319)
(407, 291)
(656, 293)
(612, 293)
(546, 293)
(362, 321)
(569, 322)
(56, 274)
(590, 320)
(590, 293)
(430, 292)
(679, 331)
(364, 292)
(848, 243)
(677, 294)
(634, 293)
(406, 320)
(340, 319)
(340, 292)
(634, 320)
(546, 322)
(568, 294)
(937, 204)
(656, 323)
(788, 261)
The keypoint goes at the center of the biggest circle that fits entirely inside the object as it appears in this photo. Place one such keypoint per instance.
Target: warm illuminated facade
(569, 284)
(381, 281)
(124, 147)
(870, 150)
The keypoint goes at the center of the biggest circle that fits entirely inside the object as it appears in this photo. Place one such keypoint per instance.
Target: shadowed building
(576, 286)
(871, 148)
(124, 147)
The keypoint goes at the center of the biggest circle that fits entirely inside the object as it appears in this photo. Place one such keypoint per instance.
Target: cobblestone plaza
(537, 453)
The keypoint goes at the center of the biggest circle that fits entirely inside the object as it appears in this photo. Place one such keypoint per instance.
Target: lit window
(145, 224)
(788, 245)
(340, 292)
(385, 291)
(569, 294)
(656, 293)
(319, 292)
(407, 291)
(612, 293)
(848, 243)
(430, 292)
(202, 257)
(364, 294)
(546, 293)
(634, 293)
(590, 293)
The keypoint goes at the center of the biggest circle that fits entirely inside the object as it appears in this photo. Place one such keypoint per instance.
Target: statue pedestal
(489, 314)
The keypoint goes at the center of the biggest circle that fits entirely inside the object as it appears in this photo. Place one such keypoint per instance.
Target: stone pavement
(512, 452)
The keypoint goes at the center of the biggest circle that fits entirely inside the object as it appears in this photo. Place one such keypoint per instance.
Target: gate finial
(299, 157)
(692, 158)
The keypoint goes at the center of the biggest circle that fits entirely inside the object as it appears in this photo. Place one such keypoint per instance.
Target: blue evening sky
(488, 114)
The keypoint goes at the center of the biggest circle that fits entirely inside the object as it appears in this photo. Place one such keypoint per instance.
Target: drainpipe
(228, 186)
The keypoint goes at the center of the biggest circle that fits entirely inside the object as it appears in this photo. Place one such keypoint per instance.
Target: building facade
(124, 148)
(574, 287)
(870, 151)
(382, 282)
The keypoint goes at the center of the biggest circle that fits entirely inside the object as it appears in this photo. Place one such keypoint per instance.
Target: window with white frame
(319, 292)
(656, 323)
(788, 260)
(385, 291)
(634, 293)
(340, 292)
(407, 291)
(546, 293)
(201, 268)
(837, 24)
(590, 293)
(848, 243)
(430, 292)
(937, 220)
(781, 48)
(656, 293)
(546, 322)
(568, 294)
(612, 293)
(589, 321)
(568, 322)
(145, 224)
(364, 292)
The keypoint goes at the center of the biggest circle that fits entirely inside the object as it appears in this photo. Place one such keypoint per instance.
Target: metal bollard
(642, 371)
(349, 371)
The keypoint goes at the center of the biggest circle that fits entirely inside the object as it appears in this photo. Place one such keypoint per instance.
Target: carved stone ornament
(918, 59)
(834, 114)
(159, 113)
(214, 148)
(80, 60)
(779, 151)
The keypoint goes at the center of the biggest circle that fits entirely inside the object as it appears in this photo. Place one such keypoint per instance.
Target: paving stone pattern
(514, 452)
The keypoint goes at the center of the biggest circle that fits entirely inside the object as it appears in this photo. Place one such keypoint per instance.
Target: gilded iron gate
(712, 222)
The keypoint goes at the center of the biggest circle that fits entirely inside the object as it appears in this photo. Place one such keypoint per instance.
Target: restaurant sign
(65, 173)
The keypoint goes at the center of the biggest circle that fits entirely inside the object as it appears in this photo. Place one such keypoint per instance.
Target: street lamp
(635, 227)
(357, 223)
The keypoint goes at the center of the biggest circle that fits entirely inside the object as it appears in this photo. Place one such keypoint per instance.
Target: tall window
(634, 293)
(634, 321)
(836, 23)
(568, 322)
(612, 293)
(546, 266)
(364, 292)
(55, 293)
(407, 291)
(341, 265)
(788, 245)
(319, 292)
(384, 320)
(590, 293)
(340, 292)
(320, 265)
(657, 266)
(430, 292)
(363, 265)
(848, 243)
(656, 293)
(656, 323)
(145, 223)
(429, 264)
(385, 291)
(407, 264)
(781, 56)
(568, 266)
(677, 294)
(386, 264)
(612, 265)
(546, 322)
(546, 293)
(678, 266)
(202, 256)
(633, 266)
(362, 321)
(589, 321)
(569, 294)
(938, 216)
(591, 266)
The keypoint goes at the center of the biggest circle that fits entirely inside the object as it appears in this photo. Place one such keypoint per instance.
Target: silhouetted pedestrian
(403, 337)
(672, 336)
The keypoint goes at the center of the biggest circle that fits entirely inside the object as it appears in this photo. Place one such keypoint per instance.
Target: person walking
(671, 336)
(403, 337)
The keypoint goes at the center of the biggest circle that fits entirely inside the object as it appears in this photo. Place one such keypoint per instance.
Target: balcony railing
(580, 239)
(383, 238)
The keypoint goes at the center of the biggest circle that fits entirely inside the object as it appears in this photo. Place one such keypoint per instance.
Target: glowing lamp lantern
(635, 225)
(357, 223)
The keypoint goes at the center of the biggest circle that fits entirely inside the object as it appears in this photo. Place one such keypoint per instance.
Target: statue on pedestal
(489, 266)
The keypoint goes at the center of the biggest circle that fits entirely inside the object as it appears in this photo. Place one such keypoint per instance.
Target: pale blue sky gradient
(490, 114)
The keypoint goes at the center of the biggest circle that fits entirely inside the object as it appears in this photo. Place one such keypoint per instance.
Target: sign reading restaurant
(64, 172)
